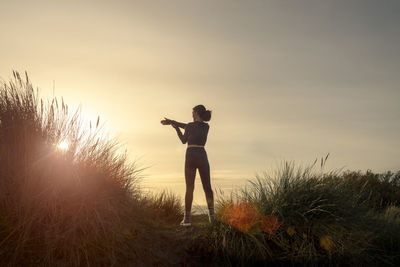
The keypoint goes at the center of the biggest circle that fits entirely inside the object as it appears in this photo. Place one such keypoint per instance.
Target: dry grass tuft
(68, 207)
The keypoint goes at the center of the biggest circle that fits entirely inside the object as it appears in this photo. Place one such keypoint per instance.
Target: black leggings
(196, 158)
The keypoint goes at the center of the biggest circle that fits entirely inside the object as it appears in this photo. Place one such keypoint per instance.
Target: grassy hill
(80, 204)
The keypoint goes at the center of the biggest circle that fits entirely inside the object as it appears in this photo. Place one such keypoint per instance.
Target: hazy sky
(286, 80)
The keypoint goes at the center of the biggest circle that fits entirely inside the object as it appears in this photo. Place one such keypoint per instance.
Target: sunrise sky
(286, 80)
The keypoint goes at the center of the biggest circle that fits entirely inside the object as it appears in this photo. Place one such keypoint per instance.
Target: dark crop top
(195, 132)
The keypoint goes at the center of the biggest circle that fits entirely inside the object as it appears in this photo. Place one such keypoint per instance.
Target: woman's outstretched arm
(179, 124)
(173, 122)
(183, 137)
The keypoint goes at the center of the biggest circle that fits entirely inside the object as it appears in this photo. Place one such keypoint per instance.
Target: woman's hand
(166, 121)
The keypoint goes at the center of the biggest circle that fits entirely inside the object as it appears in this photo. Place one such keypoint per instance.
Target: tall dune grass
(69, 207)
(307, 217)
(164, 206)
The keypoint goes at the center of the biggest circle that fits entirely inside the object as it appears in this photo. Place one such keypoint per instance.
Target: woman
(196, 158)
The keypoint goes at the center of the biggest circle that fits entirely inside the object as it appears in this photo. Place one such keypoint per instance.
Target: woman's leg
(204, 171)
(190, 174)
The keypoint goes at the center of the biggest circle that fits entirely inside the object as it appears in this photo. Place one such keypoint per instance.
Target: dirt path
(174, 245)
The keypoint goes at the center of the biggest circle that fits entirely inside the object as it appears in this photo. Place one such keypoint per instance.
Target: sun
(63, 145)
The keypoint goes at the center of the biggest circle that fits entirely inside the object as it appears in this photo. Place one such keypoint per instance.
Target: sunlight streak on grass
(63, 145)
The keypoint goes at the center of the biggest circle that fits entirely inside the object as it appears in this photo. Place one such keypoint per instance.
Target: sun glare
(63, 145)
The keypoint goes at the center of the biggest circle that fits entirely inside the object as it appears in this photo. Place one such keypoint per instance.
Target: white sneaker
(185, 223)
(211, 218)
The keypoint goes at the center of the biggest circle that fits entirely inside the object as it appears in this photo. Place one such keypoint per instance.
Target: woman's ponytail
(203, 113)
(206, 116)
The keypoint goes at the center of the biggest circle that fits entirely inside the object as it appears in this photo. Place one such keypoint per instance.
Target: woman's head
(202, 113)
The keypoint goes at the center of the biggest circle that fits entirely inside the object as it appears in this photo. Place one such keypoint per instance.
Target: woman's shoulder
(189, 125)
(198, 124)
(203, 125)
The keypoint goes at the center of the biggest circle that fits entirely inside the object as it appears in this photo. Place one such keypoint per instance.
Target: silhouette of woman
(196, 158)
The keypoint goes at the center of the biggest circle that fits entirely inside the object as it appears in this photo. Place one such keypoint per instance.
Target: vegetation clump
(306, 217)
(67, 198)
